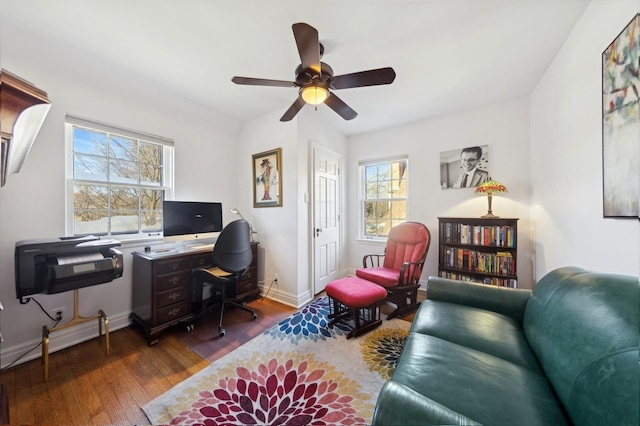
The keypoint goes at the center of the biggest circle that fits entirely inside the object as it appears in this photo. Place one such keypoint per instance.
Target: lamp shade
(489, 188)
(314, 94)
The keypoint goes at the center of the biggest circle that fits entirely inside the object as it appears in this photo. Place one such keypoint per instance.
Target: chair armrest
(506, 301)
(407, 271)
(400, 405)
(372, 260)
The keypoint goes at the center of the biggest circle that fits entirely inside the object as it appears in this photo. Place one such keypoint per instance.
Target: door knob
(318, 231)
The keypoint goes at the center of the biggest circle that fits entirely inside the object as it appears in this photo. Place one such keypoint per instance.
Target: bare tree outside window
(118, 183)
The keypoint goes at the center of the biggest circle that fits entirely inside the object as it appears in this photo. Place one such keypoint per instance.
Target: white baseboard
(61, 339)
(295, 301)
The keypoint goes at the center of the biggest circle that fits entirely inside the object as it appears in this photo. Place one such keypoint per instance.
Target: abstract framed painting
(621, 124)
(267, 178)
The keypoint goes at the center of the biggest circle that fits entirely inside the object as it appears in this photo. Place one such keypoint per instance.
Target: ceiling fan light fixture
(314, 94)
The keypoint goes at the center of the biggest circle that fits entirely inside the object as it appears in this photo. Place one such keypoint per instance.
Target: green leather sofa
(564, 353)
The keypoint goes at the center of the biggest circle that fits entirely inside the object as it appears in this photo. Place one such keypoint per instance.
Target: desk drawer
(173, 312)
(251, 273)
(172, 296)
(173, 265)
(203, 260)
(244, 286)
(166, 282)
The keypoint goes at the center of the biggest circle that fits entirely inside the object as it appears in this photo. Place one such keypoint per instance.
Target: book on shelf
(480, 235)
(499, 263)
(501, 282)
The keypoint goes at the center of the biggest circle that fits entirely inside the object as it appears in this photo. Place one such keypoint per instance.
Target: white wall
(276, 226)
(566, 154)
(285, 232)
(32, 204)
(504, 127)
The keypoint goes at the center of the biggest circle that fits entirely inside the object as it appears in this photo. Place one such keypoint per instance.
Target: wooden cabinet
(478, 250)
(165, 294)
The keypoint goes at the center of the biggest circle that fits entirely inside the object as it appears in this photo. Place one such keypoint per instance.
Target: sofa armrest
(400, 405)
(506, 301)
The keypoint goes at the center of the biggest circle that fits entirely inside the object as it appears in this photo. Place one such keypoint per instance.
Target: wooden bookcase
(478, 250)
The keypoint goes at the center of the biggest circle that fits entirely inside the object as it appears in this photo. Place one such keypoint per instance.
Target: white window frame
(362, 194)
(168, 177)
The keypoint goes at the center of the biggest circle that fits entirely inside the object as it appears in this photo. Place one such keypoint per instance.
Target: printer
(62, 264)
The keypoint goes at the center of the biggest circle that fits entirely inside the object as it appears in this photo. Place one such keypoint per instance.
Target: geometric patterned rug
(300, 371)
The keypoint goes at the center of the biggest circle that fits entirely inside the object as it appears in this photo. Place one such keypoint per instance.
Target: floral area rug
(299, 372)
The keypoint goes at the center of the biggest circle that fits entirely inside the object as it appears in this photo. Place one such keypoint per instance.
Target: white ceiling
(447, 54)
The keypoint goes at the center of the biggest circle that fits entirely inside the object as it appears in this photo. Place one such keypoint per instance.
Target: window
(118, 179)
(383, 188)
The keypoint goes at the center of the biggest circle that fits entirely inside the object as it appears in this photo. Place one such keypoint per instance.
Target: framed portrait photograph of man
(465, 167)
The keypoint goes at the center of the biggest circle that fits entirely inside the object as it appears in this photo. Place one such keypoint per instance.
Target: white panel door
(326, 220)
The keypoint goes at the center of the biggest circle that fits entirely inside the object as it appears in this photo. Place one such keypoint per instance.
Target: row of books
(499, 263)
(482, 235)
(502, 282)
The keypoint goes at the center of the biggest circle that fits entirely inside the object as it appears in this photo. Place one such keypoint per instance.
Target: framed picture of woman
(267, 178)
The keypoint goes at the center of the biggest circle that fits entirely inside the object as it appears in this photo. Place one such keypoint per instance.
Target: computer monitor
(191, 220)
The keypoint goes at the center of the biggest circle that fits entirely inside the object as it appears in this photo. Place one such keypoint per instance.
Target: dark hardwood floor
(86, 387)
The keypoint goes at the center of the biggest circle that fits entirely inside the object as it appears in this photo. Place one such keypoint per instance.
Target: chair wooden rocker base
(405, 299)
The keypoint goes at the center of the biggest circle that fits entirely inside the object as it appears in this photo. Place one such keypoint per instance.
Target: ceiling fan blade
(364, 78)
(336, 104)
(308, 46)
(293, 109)
(262, 82)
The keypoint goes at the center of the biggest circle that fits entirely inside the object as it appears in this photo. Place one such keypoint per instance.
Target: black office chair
(231, 257)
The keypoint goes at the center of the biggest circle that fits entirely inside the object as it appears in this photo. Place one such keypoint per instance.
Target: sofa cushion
(479, 386)
(475, 328)
(511, 302)
(585, 330)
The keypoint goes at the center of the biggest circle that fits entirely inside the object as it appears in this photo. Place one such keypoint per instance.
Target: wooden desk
(163, 288)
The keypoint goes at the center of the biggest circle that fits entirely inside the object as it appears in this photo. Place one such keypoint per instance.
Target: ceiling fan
(315, 79)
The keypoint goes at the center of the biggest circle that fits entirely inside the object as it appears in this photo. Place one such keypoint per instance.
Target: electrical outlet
(275, 277)
(58, 313)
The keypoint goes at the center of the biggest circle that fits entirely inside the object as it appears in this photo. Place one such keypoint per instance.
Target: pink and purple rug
(299, 372)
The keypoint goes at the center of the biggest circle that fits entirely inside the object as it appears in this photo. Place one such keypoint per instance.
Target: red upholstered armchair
(398, 270)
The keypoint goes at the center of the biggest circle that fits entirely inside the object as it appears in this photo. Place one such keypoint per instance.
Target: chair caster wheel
(190, 328)
(254, 317)
(221, 334)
